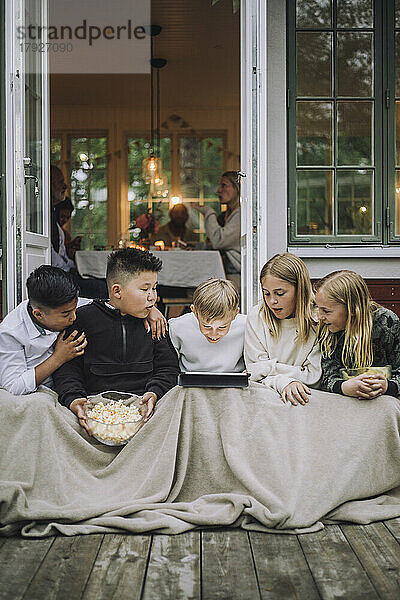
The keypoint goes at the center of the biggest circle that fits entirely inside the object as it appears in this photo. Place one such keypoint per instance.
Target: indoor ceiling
(202, 45)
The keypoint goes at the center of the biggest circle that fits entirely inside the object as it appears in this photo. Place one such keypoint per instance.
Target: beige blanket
(206, 458)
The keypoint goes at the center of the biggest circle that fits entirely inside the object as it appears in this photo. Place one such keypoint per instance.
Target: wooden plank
(379, 554)
(20, 558)
(334, 566)
(394, 527)
(282, 570)
(227, 566)
(120, 568)
(174, 568)
(66, 568)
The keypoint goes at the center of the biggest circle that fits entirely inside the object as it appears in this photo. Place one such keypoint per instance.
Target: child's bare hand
(361, 387)
(77, 408)
(149, 398)
(296, 391)
(157, 323)
(70, 348)
(378, 383)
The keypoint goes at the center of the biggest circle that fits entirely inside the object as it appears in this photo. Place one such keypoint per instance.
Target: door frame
(19, 241)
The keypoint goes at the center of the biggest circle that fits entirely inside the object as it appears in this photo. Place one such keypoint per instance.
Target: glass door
(27, 147)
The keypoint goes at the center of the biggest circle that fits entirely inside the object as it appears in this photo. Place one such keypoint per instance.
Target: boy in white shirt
(211, 337)
(31, 346)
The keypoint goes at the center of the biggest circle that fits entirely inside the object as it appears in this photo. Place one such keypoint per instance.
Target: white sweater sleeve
(256, 357)
(309, 372)
(222, 238)
(176, 342)
(270, 370)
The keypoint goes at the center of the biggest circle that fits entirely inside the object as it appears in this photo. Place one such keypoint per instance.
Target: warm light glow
(160, 244)
(175, 200)
(152, 169)
(83, 157)
(363, 209)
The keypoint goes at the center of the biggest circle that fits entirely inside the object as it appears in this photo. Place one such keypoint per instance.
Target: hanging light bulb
(152, 168)
(152, 165)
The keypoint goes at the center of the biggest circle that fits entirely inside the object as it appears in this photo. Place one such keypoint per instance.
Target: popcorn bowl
(386, 371)
(114, 418)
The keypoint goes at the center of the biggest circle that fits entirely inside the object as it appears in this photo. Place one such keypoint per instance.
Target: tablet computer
(216, 380)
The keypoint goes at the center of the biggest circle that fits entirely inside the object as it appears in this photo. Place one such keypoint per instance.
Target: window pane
(314, 133)
(314, 13)
(89, 191)
(397, 13)
(355, 133)
(55, 151)
(138, 150)
(314, 202)
(314, 64)
(398, 133)
(33, 126)
(355, 13)
(355, 202)
(189, 156)
(397, 60)
(354, 61)
(397, 202)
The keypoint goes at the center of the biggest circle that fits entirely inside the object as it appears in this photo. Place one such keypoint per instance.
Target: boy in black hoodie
(120, 354)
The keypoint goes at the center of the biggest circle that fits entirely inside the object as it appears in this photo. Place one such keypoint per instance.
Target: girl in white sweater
(280, 347)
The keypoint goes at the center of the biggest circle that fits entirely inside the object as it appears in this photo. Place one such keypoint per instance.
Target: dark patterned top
(385, 348)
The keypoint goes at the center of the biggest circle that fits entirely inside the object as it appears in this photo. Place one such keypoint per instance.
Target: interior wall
(200, 83)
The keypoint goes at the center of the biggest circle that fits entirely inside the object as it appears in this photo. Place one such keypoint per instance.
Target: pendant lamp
(152, 172)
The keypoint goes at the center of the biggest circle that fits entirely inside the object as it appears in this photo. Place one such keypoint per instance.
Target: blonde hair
(215, 298)
(290, 268)
(350, 290)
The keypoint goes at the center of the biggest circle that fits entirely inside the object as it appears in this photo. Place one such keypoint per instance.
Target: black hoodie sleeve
(69, 378)
(69, 381)
(165, 367)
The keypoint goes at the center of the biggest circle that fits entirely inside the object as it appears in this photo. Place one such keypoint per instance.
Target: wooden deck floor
(347, 561)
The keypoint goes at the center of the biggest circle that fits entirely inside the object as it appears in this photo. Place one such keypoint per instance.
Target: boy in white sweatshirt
(211, 337)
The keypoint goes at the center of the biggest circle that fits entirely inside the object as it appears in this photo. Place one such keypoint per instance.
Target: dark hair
(64, 205)
(234, 178)
(51, 287)
(128, 262)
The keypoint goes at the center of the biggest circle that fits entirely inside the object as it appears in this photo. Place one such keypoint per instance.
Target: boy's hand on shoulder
(69, 348)
(77, 408)
(157, 323)
(149, 398)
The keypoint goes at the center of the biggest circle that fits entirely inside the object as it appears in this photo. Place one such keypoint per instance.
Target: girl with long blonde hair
(280, 347)
(356, 333)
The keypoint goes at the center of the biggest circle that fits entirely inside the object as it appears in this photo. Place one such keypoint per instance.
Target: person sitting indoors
(211, 337)
(31, 345)
(359, 335)
(175, 230)
(59, 256)
(63, 212)
(223, 231)
(121, 355)
(280, 349)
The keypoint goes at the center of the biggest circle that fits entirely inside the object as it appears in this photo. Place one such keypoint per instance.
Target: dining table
(180, 268)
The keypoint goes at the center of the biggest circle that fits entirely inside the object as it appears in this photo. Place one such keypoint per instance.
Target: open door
(27, 133)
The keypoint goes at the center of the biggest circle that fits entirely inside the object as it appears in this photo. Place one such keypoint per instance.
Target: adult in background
(175, 230)
(90, 287)
(59, 256)
(223, 232)
(63, 212)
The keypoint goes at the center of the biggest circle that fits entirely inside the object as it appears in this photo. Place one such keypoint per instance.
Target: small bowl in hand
(386, 371)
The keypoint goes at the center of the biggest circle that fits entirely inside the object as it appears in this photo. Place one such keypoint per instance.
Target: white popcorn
(125, 421)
